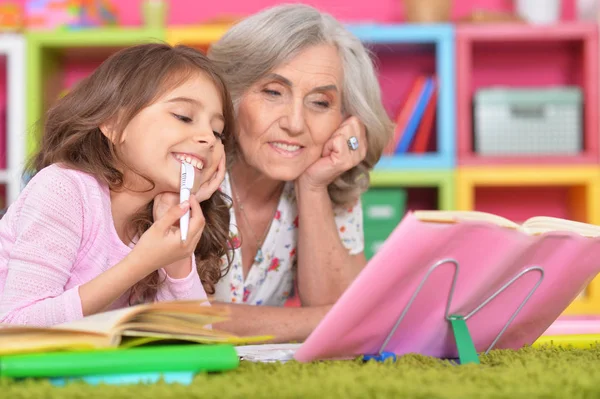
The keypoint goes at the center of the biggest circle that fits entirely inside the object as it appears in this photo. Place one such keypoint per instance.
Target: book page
(544, 224)
(183, 321)
(109, 322)
(218, 337)
(150, 329)
(456, 216)
(18, 340)
(103, 323)
(173, 325)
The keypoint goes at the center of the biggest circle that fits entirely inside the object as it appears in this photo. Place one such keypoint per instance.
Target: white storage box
(546, 121)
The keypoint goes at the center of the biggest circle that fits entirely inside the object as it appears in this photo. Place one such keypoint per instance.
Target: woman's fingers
(209, 187)
(355, 136)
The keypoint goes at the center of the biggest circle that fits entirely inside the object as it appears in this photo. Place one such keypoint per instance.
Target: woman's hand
(337, 156)
(209, 187)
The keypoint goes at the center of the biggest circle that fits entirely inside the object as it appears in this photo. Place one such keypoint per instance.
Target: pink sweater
(58, 235)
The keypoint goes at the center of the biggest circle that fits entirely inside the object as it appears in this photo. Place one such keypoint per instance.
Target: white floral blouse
(270, 282)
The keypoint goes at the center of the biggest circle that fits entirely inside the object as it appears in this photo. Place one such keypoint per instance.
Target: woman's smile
(286, 149)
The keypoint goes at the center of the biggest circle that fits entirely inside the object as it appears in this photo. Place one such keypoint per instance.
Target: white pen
(187, 182)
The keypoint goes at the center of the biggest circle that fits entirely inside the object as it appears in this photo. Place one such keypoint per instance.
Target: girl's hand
(161, 244)
(337, 156)
(164, 201)
(166, 213)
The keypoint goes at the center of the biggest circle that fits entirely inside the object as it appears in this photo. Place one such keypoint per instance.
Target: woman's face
(285, 119)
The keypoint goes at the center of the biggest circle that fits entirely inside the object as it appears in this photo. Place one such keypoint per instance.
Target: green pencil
(164, 358)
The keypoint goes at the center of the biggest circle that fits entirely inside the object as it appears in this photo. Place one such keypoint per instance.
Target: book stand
(466, 349)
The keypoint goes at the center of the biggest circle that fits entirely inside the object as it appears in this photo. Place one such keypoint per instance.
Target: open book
(508, 282)
(133, 326)
(533, 226)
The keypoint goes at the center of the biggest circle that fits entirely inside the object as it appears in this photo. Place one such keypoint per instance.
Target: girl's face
(285, 119)
(185, 123)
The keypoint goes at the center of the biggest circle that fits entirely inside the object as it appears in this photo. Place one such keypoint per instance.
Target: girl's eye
(272, 92)
(220, 136)
(183, 118)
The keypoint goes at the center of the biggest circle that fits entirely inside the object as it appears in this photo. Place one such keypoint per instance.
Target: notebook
(543, 264)
(267, 353)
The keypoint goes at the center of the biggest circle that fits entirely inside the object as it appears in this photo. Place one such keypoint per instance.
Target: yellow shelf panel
(528, 176)
(589, 304)
(196, 35)
(584, 181)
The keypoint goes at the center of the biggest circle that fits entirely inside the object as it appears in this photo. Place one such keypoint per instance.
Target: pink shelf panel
(521, 203)
(514, 55)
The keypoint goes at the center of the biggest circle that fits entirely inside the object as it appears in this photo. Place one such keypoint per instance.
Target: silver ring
(353, 143)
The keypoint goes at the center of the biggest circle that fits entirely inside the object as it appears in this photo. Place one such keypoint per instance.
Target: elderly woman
(310, 126)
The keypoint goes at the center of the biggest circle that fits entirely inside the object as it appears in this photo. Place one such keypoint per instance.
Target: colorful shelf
(46, 52)
(584, 181)
(200, 36)
(443, 180)
(486, 48)
(442, 38)
(589, 302)
(12, 47)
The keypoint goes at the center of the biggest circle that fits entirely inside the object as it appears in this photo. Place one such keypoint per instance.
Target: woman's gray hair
(260, 43)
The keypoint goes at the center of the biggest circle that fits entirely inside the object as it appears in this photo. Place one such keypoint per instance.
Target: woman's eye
(272, 92)
(322, 104)
(220, 136)
(183, 118)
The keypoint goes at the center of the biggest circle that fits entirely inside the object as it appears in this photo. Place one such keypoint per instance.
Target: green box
(374, 238)
(383, 209)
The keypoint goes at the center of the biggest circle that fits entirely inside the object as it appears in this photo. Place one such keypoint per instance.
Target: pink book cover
(488, 257)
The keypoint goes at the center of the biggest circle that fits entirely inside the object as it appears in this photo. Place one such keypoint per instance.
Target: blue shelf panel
(401, 33)
(427, 161)
(446, 107)
(442, 36)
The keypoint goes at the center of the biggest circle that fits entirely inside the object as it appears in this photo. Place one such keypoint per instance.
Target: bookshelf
(200, 37)
(403, 52)
(392, 193)
(12, 52)
(526, 56)
(443, 181)
(57, 59)
(580, 185)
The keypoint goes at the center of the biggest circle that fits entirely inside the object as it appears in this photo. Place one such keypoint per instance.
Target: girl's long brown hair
(128, 81)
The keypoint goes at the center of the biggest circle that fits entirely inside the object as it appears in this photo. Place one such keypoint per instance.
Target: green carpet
(549, 372)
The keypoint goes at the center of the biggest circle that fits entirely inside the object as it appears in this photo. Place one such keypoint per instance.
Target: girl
(96, 227)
